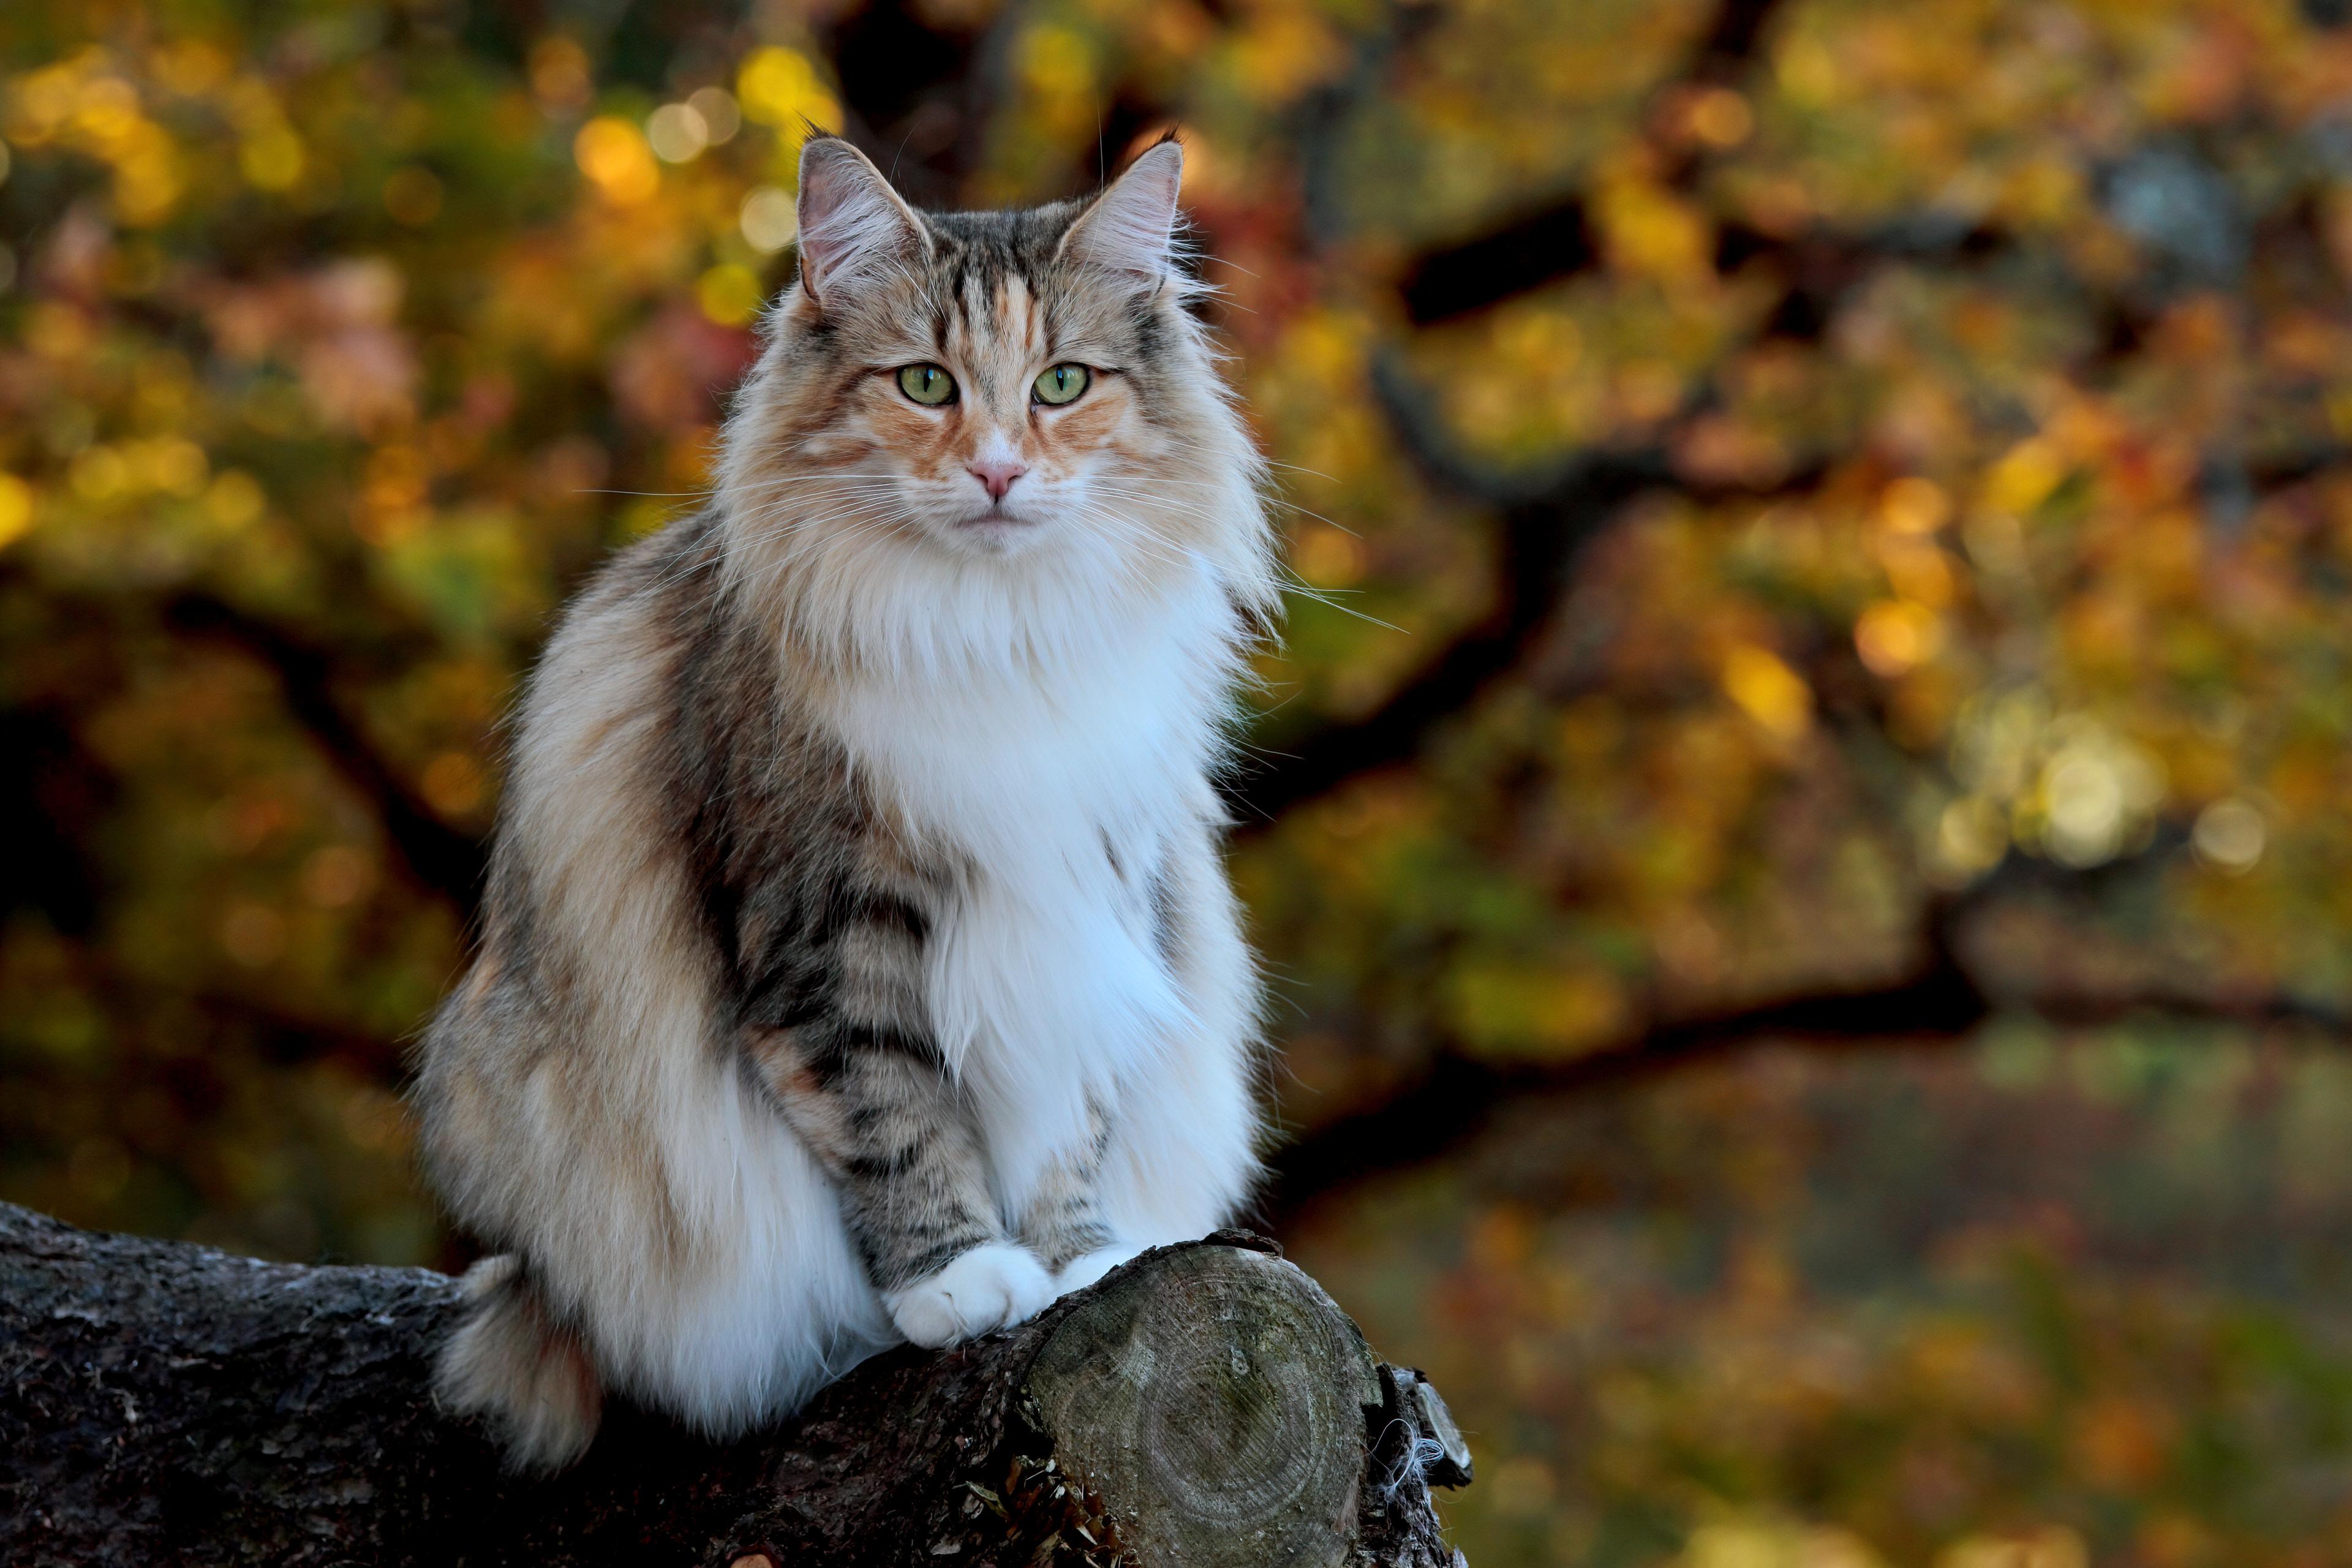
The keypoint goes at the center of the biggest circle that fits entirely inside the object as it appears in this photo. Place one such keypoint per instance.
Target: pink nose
(997, 477)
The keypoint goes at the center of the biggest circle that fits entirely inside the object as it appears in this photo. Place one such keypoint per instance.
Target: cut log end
(1217, 1403)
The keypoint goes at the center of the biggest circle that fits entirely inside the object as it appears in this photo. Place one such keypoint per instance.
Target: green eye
(927, 384)
(1062, 383)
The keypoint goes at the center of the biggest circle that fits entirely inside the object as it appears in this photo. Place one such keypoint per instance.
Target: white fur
(1053, 781)
(1088, 1267)
(988, 1288)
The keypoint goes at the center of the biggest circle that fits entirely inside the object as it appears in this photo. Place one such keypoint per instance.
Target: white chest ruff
(1060, 792)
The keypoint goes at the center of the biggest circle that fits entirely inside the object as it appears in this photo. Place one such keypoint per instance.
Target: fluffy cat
(858, 962)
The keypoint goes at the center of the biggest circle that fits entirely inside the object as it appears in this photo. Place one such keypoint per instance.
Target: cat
(858, 962)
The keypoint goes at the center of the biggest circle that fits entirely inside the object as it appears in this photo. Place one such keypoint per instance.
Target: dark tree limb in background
(280, 1033)
(1732, 41)
(1478, 274)
(1540, 541)
(1208, 1404)
(440, 857)
(1557, 241)
(1547, 520)
(1456, 1097)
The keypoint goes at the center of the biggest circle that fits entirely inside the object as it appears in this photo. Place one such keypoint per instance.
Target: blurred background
(1797, 834)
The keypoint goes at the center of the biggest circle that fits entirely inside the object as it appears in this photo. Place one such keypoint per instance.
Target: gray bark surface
(1208, 1404)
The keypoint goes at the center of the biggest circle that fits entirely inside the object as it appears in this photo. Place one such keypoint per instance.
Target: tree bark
(1206, 1405)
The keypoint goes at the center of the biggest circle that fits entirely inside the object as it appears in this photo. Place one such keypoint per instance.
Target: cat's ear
(1130, 228)
(853, 226)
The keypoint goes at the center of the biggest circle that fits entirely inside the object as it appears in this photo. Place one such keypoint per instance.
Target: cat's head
(967, 425)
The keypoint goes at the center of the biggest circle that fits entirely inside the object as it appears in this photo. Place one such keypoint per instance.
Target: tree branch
(439, 857)
(1457, 1097)
(1732, 41)
(1557, 241)
(1522, 255)
(1541, 539)
(1207, 1405)
(1548, 517)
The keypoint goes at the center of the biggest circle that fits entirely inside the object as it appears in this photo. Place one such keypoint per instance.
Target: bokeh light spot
(677, 133)
(15, 509)
(2231, 835)
(612, 153)
(769, 218)
(730, 295)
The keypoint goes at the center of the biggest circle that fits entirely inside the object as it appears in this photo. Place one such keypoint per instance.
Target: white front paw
(1088, 1267)
(989, 1286)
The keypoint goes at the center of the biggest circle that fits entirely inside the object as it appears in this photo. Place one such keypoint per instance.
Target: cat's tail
(526, 1376)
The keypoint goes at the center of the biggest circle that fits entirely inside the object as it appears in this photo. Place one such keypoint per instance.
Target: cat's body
(858, 962)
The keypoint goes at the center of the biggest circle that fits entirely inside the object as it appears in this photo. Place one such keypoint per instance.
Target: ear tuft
(1131, 226)
(853, 226)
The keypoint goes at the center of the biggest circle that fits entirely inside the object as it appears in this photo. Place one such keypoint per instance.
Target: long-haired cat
(858, 962)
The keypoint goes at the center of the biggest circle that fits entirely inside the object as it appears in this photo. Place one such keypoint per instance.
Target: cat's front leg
(1062, 1222)
(882, 1119)
(852, 1066)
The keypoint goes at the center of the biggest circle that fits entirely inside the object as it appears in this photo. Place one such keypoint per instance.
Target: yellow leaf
(611, 152)
(1769, 692)
(16, 508)
(1895, 636)
(778, 87)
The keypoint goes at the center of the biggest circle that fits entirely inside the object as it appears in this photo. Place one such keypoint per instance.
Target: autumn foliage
(1817, 524)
